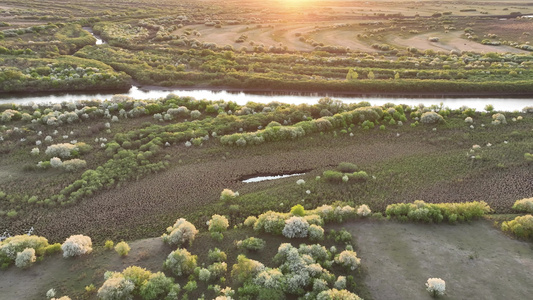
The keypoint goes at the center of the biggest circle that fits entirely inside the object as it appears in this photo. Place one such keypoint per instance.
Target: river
(240, 97)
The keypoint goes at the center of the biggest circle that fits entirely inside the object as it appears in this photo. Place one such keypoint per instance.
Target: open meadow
(123, 198)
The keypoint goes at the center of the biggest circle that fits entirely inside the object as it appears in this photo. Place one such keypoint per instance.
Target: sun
(296, 2)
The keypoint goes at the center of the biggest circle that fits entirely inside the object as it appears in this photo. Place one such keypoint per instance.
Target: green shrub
(52, 249)
(346, 167)
(521, 226)
(251, 244)
(270, 222)
(341, 236)
(216, 255)
(245, 268)
(332, 176)
(358, 176)
(109, 245)
(419, 211)
(180, 262)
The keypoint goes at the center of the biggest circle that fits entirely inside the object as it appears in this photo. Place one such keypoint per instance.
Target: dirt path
(476, 260)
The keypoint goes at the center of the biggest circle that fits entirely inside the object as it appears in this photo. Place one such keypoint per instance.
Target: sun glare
(296, 2)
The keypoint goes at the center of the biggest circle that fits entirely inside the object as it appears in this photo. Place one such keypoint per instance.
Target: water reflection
(265, 178)
(145, 93)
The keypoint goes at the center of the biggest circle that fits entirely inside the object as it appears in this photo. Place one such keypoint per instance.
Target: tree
(370, 75)
(352, 75)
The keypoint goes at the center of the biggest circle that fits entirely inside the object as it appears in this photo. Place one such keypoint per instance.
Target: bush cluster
(419, 211)
(521, 226)
(138, 282)
(181, 233)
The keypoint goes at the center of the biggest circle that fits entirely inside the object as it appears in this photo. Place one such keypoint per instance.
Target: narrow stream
(99, 40)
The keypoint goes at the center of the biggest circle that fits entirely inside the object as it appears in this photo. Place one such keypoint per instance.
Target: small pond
(272, 177)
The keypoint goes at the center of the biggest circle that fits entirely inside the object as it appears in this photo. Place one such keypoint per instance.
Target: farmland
(395, 194)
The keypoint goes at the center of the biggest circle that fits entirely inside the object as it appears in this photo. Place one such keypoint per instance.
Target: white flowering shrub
(218, 223)
(25, 258)
(61, 150)
(195, 114)
(498, 119)
(363, 211)
(340, 284)
(524, 205)
(320, 285)
(348, 259)
(431, 117)
(218, 269)
(77, 245)
(296, 282)
(296, 227)
(314, 219)
(335, 294)
(300, 182)
(35, 151)
(181, 233)
(204, 274)
(469, 120)
(326, 212)
(116, 287)
(56, 162)
(73, 165)
(180, 262)
(227, 194)
(62, 298)
(270, 222)
(436, 287)
(316, 233)
(270, 279)
(51, 293)
(158, 117)
(48, 139)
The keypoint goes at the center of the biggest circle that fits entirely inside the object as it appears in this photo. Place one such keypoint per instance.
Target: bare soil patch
(476, 260)
(183, 188)
(449, 41)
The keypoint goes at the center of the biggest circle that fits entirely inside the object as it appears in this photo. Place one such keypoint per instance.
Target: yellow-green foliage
(419, 211)
(520, 226)
(524, 205)
(298, 210)
(109, 245)
(122, 248)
